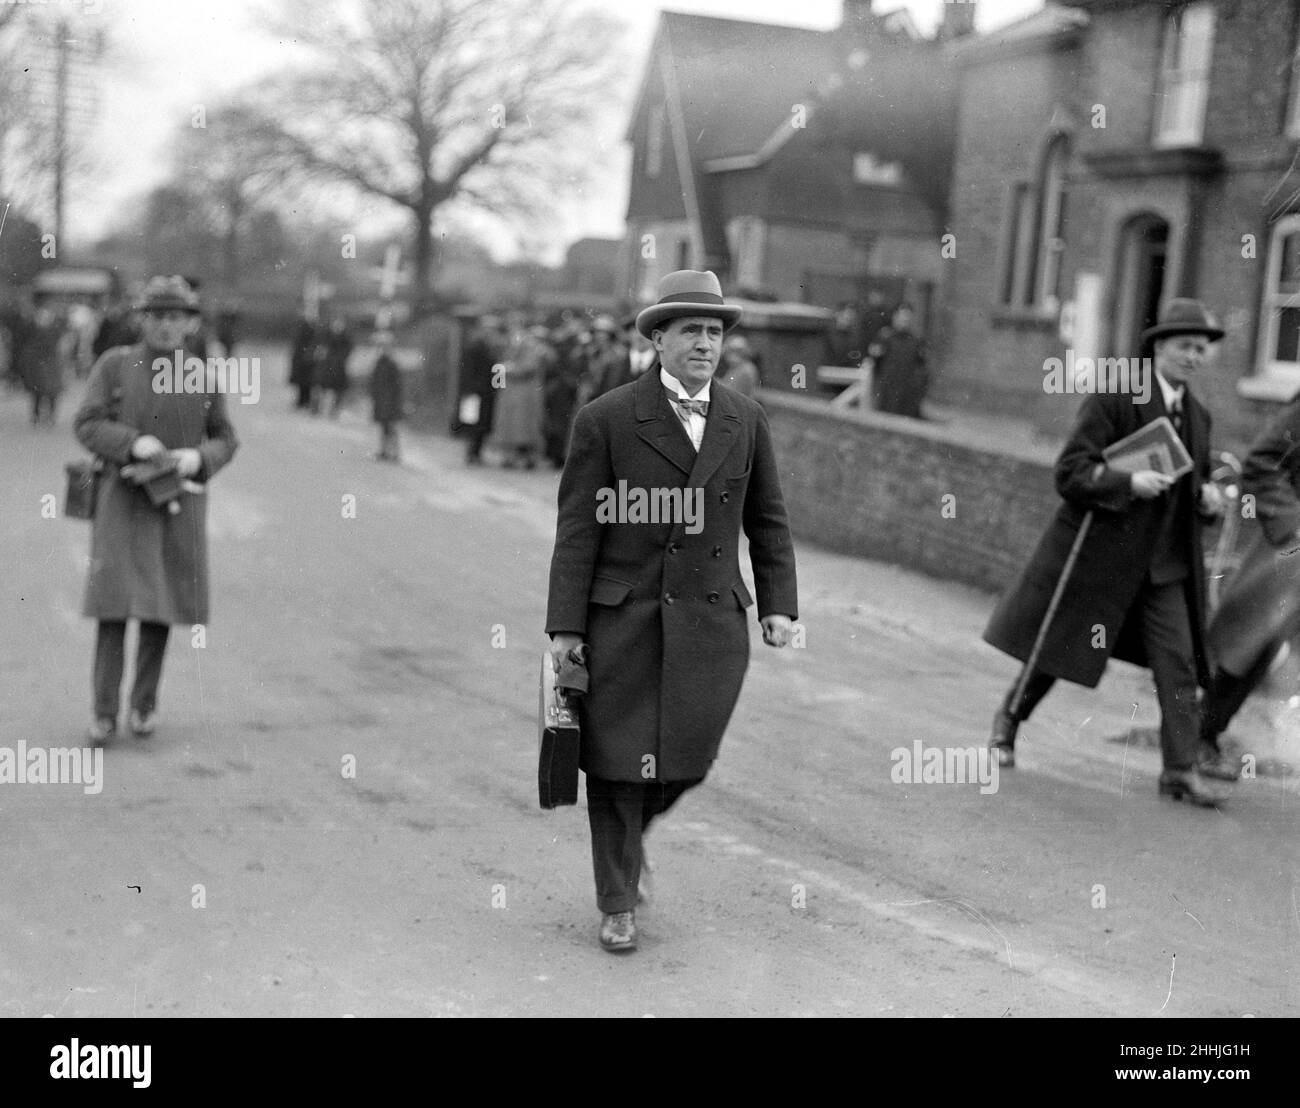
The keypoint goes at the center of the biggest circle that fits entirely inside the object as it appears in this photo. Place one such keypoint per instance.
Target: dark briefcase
(558, 740)
(83, 488)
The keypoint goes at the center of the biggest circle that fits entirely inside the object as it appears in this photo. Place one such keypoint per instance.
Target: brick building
(1112, 154)
(803, 165)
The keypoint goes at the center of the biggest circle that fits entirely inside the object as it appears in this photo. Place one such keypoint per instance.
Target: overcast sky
(178, 53)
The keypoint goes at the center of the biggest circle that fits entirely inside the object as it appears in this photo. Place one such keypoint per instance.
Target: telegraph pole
(60, 127)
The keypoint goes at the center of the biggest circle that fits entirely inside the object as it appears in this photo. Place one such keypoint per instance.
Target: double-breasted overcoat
(1097, 615)
(145, 562)
(664, 610)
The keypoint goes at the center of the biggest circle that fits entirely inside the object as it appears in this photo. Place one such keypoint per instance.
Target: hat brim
(1166, 330)
(654, 317)
(166, 306)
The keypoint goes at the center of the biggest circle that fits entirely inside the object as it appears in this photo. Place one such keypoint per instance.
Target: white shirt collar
(1170, 391)
(675, 387)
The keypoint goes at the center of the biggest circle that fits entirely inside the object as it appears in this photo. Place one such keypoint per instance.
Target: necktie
(687, 405)
(1176, 413)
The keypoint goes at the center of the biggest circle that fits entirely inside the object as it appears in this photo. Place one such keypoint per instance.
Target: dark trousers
(620, 813)
(1167, 640)
(1228, 692)
(304, 396)
(110, 658)
(43, 401)
(388, 439)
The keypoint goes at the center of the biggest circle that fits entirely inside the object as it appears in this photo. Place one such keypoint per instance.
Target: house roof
(1053, 22)
(734, 88)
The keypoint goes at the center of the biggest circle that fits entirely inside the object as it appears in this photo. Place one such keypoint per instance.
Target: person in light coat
(148, 562)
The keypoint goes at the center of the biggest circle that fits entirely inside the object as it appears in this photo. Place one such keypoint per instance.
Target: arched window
(1035, 231)
(1050, 240)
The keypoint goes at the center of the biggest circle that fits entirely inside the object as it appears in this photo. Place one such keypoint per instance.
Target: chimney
(856, 15)
(958, 19)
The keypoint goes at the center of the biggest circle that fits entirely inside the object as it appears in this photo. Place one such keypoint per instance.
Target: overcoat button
(713, 597)
(673, 548)
(725, 497)
(717, 552)
(669, 598)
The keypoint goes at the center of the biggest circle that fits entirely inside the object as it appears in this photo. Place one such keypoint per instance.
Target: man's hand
(1212, 501)
(188, 461)
(561, 644)
(776, 630)
(1147, 484)
(146, 447)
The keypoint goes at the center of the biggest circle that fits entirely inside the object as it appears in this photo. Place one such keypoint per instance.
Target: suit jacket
(1261, 605)
(663, 608)
(1095, 617)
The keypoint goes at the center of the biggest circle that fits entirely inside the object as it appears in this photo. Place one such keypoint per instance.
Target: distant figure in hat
(148, 563)
(386, 397)
(899, 377)
(657, 594)
(1137, 590)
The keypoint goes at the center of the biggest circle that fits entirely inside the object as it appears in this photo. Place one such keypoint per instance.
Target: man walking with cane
(1119, 571)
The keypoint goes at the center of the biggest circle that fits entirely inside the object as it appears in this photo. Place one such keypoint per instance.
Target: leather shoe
(1213, 762)
(142, 723)
(1003, 740)
(1188, 783)
(618, 932)
(101, 732)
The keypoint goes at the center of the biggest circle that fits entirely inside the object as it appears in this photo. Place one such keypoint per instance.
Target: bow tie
(700, 407)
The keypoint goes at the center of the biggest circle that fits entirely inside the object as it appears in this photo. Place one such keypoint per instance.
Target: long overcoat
(1261, 605)
(1097, 616)
(663, 609)
(520, 406)
(146, 563)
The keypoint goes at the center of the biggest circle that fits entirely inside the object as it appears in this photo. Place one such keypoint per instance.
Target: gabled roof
(1053, 23)
(737, 80)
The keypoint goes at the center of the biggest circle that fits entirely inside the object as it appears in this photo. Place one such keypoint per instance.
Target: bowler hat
(1183, 316)
(163, 294)
(688, 292)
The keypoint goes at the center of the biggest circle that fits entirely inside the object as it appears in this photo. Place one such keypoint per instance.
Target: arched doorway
(1140, 279)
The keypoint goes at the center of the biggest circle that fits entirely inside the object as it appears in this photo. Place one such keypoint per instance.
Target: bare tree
(228, 165)
(422, 102)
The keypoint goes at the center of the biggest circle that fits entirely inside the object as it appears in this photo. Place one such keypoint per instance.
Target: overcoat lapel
(719, 436)
(659, 427)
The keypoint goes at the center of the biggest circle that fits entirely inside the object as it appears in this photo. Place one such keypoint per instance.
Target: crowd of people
(522, 381)
(51, 341)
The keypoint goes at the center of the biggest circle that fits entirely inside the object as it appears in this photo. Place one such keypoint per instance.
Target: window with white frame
(1050, 241)
(1035, 230)
(1279, 348)
(1185, 75)
(654, 142)
(1293, 106)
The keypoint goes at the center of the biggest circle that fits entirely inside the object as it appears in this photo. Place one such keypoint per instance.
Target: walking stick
(1023, 681)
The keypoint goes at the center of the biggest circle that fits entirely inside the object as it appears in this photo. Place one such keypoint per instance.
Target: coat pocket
(608, 592)
(741, 594)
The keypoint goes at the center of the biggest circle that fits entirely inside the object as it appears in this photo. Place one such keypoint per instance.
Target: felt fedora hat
(687, 292)
(168, 294)
(1183, 316)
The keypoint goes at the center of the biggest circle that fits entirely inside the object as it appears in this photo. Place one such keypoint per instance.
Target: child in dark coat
(386, 395)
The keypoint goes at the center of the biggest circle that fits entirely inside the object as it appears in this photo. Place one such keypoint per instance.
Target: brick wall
(873, 486)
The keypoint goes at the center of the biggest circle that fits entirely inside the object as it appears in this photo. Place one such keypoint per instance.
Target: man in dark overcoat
(148, 562)
(1137, 591)
(658, 597)
(1260, 610)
